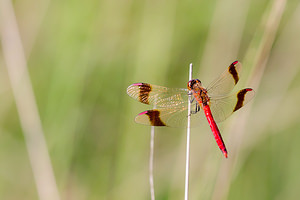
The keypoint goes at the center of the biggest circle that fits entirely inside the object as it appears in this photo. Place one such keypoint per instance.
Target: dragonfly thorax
(199, 92)
(203, 96)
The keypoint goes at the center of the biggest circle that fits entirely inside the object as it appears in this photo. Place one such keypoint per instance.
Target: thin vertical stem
(151, 163)
(188, 133)
(14, 57)
(151, 158)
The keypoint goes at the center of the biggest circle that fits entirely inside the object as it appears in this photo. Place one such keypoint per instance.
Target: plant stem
(151, 164)
(188, 133)
(16, 64)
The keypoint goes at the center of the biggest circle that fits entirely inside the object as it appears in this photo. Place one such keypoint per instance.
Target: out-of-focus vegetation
(81, 57)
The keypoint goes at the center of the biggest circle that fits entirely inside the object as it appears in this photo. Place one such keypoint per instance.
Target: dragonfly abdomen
(215, 129)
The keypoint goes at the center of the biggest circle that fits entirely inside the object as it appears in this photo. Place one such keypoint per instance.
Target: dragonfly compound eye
(193, 82)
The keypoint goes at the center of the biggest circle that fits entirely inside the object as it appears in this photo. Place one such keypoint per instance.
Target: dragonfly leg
(191, 98)
(197, 109)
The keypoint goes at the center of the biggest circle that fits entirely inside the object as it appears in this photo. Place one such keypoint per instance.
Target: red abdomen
(215, 129)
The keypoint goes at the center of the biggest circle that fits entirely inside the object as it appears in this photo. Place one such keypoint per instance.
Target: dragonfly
(215, 102)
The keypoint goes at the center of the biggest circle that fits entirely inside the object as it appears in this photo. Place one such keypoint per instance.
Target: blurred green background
(81, 57)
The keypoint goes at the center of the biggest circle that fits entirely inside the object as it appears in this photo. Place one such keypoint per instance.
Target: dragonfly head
(194, 84)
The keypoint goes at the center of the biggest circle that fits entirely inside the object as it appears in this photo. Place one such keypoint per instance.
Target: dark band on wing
(241, 98)
(233, 72)
(145, 89)
(154, 117)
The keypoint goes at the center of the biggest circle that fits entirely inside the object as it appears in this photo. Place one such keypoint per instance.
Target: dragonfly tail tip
(225, 154)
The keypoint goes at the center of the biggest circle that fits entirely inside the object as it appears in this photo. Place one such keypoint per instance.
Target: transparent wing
(225, 83)
(158, 95)
(173, 117)
(223, 107)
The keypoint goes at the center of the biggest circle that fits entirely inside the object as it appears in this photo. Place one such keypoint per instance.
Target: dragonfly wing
(170, 116)
(223, 107)
(158, 95)
(225, 83)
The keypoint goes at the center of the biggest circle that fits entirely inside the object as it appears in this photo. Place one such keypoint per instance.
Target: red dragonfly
(172, 103)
